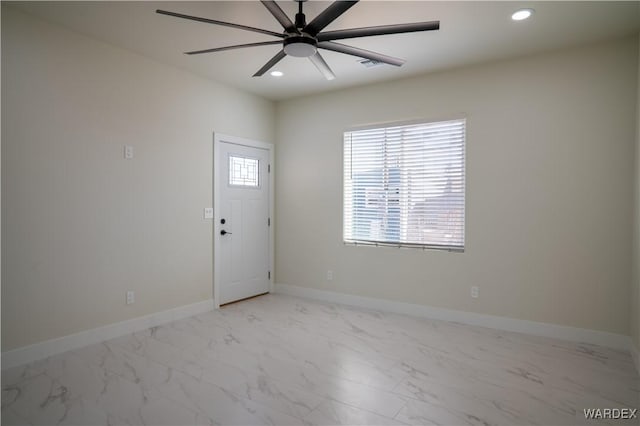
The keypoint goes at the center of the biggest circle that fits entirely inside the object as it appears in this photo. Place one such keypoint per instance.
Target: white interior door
(242, 252)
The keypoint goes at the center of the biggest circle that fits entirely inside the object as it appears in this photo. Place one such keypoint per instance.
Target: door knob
(223, 232)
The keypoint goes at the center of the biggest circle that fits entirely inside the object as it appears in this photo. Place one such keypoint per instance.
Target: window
(243, 171)
(404, 185)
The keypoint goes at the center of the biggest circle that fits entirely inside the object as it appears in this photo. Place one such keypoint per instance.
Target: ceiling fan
(303, 40)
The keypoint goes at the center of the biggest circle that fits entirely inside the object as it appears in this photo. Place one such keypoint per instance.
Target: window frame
(383, 125)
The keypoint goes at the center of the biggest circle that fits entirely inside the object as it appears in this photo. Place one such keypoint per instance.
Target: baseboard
(575, 334)
(26, 354)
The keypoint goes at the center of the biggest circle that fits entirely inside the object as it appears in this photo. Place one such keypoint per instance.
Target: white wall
(81, 225)
(549, 172)
(635, 283)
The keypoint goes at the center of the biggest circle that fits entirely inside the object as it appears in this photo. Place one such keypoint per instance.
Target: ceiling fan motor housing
(301, 20)
(300, 46)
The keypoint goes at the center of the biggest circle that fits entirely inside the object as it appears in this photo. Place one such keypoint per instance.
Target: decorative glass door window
(243, 171)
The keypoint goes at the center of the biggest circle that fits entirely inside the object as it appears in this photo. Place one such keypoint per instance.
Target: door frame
(218, 180)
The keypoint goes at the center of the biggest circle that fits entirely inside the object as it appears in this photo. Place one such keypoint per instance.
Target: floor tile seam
(238, 395)
(208, 350)
(395, 416)
(78, 397)
(291, 386)
(145, 358)
(332, 376)
(362, 409)
(398, 366)
(486, 403)
(397, 395)
(96, 405)
(170, 368)
(479, 380)
(27, 378)
(382, 389)
(199, 412)
(270, 407)
(140, 383)
(204, 341)
(455, 412)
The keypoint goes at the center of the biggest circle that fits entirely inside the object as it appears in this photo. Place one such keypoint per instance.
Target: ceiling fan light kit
(300, 46)
(302, 40)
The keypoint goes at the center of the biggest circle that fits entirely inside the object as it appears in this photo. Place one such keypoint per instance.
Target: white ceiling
(470, 32)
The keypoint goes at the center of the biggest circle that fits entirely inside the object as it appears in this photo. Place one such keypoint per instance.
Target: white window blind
(405, 185)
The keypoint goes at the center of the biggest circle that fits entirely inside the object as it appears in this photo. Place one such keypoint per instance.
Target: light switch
(208, 213)
(128, 152)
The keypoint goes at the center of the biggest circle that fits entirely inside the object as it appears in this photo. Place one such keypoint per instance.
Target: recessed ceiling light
(522, 14)
(277, 73)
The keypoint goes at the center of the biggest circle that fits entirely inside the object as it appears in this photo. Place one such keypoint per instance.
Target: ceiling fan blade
(271, 63)
(327, 16)
(322, 66)
(279, 14)
(226, 24)
(237, 46)
(380, 30)
(356, 51)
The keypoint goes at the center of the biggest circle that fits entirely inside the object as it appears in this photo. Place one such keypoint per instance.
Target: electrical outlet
(131, 298)
(208, 213)
(329, 275)
(475, 292)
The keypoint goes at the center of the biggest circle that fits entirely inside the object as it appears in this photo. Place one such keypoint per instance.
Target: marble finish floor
(281, 360)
